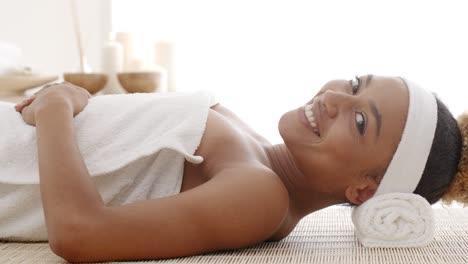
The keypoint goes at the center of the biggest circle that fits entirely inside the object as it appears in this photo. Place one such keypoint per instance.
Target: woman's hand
(58, 93)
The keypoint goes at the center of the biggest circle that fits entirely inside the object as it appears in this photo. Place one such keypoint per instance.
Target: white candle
(112, 63)
(127, 41)
(164, 56)
(76, 24)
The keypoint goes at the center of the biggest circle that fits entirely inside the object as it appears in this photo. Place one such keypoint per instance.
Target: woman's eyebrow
(369, 79)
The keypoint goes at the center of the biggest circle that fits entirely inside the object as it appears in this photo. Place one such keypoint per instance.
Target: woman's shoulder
(258, 191)
(257, 175)
(278, 196)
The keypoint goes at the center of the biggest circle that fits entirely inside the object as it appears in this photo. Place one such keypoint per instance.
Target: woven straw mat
(325, 236)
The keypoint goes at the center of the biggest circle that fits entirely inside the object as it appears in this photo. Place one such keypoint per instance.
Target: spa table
(322, 237)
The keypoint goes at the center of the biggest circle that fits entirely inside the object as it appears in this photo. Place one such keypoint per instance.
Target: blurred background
(261, 58)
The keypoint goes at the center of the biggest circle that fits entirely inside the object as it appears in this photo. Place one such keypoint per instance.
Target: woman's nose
(334, 101)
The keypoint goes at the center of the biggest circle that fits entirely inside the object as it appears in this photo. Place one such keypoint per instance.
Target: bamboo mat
(323, 237)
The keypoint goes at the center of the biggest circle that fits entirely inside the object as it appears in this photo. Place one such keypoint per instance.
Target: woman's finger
(24, 103)
(24, 112)
(20, 107)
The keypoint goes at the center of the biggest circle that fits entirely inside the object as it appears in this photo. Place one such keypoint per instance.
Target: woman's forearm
(66, 187)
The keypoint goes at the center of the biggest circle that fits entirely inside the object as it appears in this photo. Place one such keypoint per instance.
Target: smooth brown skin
(245, 192)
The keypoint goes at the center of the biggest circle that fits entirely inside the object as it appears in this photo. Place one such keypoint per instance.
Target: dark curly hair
(442, 163)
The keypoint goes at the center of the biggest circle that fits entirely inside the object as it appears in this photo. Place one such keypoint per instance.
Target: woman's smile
(307, 121)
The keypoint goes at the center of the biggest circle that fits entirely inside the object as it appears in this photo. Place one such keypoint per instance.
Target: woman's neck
(303, 201)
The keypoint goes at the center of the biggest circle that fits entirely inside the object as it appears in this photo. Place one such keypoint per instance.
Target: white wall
(43, 29)
(264, 58)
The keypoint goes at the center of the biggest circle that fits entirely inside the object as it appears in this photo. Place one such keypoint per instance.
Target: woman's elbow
(71, 245)
(64, 247)
(70, 238)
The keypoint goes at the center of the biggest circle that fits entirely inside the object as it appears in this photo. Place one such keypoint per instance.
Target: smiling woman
(360, 123)
(356, 127)
(244, 190)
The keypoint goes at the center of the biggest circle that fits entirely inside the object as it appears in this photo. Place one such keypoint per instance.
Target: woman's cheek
(340, 141)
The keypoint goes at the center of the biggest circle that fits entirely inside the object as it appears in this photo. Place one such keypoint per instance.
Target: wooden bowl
(140, 82)
(93, 82)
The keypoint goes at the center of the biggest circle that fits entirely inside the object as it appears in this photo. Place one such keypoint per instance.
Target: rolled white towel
(394, 220)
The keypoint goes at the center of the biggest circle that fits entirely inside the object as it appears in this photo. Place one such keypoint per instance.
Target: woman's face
(358, 124)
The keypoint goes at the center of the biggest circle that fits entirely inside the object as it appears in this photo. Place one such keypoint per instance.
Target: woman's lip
(318, 116)
(303, 119)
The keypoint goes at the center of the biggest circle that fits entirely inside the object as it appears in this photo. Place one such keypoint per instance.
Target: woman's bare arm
(68, 193)
(237, 208)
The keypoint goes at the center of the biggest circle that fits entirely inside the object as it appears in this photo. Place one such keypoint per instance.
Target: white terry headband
(408, 162)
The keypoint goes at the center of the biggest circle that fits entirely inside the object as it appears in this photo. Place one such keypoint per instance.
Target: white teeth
(310, 116)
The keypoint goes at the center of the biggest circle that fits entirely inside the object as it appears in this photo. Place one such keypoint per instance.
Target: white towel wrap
(134, 146)
(394, 220)
(112, 131)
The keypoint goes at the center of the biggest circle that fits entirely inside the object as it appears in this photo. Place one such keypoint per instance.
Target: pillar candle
(164, 56)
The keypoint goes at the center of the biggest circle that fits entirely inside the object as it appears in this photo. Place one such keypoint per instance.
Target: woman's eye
(355, 84)
(360, 122)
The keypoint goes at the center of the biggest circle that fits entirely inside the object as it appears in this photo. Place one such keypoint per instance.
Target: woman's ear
(357, 194)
